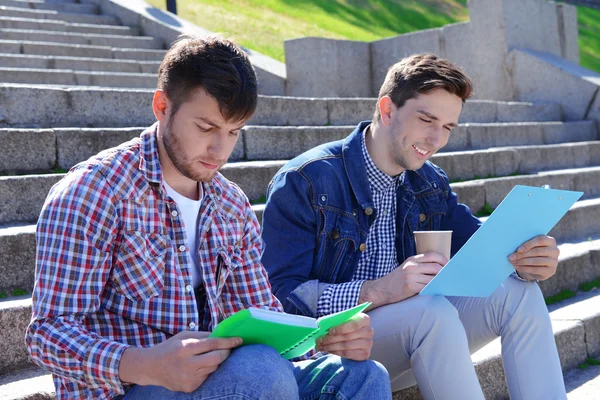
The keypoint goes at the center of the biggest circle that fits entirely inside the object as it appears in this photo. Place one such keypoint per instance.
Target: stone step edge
(84, 46)
(306, 99)
(82, 34)
(61, 22)
(74, 71)
(69, 58)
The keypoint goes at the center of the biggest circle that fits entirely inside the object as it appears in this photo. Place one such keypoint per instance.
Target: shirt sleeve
(248, 283)
(75, 235)
(339, 297)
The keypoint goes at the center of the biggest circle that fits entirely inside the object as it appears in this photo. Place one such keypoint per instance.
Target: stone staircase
(73, 82)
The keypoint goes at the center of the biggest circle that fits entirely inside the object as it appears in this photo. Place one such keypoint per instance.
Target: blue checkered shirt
(379, 259)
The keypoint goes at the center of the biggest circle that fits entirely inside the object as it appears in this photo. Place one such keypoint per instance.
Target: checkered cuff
(339, 297)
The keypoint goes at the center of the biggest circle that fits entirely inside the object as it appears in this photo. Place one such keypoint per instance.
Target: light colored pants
(428, 340)
(258, 372)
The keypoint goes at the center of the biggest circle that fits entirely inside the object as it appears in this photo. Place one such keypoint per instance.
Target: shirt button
(362, 247)
(189, 288)
(383, 246)
(368, 211)
(182, 248)
(323, 198)
(422, 217)
(192, 325)
(174, 213)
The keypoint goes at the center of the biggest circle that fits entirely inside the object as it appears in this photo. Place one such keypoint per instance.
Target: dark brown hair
(216, 64)
(422, 73)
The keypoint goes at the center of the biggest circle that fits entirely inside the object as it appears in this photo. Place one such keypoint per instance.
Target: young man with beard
(144, 248)
(338, 230)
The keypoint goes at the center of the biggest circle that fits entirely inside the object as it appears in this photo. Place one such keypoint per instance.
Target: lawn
(263, 25)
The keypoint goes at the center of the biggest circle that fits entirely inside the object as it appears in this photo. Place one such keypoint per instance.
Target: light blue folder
(481, 265)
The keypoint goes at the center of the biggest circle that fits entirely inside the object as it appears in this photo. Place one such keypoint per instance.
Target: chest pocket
(228, 259)
(428, 210)
(338, 240)
(139, 267)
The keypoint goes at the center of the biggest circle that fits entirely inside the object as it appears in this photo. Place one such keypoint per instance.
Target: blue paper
(481, 265)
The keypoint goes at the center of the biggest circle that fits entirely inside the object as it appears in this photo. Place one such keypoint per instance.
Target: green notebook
(291, 335)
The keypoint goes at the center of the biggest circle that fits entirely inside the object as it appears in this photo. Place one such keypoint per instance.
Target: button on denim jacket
(319, 210)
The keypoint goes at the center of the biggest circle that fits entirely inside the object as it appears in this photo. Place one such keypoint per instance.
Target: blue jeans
(258, 372)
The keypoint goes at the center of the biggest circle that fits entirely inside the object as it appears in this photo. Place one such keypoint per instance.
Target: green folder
(291, 335)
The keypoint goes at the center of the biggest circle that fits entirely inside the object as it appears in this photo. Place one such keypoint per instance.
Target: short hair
(422, 73)
(216, 64)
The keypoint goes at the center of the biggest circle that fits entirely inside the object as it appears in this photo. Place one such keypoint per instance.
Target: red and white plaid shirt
(113, 269)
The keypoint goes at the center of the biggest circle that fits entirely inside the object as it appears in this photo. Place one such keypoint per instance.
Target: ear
(385, 105)
(160, 105)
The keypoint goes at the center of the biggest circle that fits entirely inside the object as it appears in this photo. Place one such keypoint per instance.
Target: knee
(523, 298)
(439, 310)
(371, 372)
(262, 369)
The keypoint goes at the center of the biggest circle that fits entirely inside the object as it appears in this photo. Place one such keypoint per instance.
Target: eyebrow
(209, 122)
(431, 116)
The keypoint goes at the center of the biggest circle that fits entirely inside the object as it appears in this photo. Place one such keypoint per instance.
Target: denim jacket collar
(355, 166)
(413, 182)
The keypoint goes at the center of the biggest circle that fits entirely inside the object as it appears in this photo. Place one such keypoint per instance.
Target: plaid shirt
(113, 269)
(380, 257)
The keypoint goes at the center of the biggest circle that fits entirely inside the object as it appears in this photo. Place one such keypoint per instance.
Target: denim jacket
(319, 211)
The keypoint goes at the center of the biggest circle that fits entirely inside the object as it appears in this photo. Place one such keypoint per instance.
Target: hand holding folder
(481, 265)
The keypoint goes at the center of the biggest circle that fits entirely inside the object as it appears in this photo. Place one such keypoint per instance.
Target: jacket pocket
(338, 241)
(139, 267)
(431, 209)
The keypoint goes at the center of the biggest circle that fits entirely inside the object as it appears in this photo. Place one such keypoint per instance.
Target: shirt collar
(378, 180)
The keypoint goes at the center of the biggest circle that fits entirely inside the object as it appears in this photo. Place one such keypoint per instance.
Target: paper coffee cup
(436, 241)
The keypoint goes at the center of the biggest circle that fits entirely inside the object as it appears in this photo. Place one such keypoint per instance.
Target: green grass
(485, 211)
(587, 286)
(263, 25)
(3, 295)
(588, 20)
(563, 295)
(588, 363)
(18, 292)
(261, 200)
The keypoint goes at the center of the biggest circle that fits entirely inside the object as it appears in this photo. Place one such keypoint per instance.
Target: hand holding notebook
(291, 335)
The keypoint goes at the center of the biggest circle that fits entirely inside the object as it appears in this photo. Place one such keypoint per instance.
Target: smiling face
(196, 141)
(408, 136)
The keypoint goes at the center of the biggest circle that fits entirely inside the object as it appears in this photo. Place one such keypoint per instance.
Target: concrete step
(78, 78)
(77, 63)
(273, 142)
(56, 6)
(492, 191)
(58, 16)
(583, 384)
(78, 50)
(75, 107)
(579, 261)
(281, 111)
(576, 326)
(31, 383)
(137, 42)
(64, 147)
(54, 25)
(254, 176)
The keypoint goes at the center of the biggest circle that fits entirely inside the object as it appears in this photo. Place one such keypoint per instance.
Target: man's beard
(177, 156)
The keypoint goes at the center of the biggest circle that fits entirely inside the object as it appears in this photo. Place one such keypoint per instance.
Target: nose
(436, 137)
(215, 147)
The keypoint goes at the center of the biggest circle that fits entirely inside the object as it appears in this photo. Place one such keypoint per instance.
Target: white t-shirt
(188, 212)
